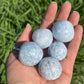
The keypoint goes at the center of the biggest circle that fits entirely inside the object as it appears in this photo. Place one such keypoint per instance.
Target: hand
(17, 73)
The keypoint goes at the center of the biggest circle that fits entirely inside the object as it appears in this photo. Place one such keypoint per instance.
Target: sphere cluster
(31, 53)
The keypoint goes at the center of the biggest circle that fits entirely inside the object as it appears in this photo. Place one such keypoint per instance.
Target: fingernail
(76, 11)
(27, 25)
(54, 2)
(67, 2)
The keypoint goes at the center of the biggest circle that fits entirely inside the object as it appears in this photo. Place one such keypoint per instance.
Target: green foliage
(15, 14)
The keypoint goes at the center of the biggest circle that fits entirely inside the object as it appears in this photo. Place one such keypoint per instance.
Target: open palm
(17, 73)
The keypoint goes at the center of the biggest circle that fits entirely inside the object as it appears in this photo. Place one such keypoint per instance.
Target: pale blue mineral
(43, 37)
(63, 31)
(57, 50)
(50, 68)
(30, 53)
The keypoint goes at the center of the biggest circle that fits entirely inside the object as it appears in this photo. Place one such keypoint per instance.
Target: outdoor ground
(15, 14)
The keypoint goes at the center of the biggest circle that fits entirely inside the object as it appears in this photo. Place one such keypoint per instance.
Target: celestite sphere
(43, 37)
(63, 31)
(30, 53)
(50, 68)
(57, 50)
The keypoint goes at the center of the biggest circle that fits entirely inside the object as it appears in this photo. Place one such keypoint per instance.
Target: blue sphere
(43, 37)
(50, 68)
(63, 31)
(30, 53)
(57, 50)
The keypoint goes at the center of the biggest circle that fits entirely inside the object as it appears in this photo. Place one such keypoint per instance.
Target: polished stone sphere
(57, 50)
(30, 53)
(63, 31)
(43, 37)
(50, 68)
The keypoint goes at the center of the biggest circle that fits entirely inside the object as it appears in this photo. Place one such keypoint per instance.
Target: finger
(74, 18)
(74, 44)
(72, 52)
(64, 11)
(49, 16)
(25, 36)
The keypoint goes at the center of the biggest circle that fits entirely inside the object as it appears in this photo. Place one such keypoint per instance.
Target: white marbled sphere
(30, 53)
(43, 37)
(63, 31)
(50, 68)
(57, 50)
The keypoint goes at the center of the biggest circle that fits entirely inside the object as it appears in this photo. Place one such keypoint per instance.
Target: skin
(17, 73)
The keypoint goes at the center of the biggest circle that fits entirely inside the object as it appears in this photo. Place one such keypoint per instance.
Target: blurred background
(15, 14)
